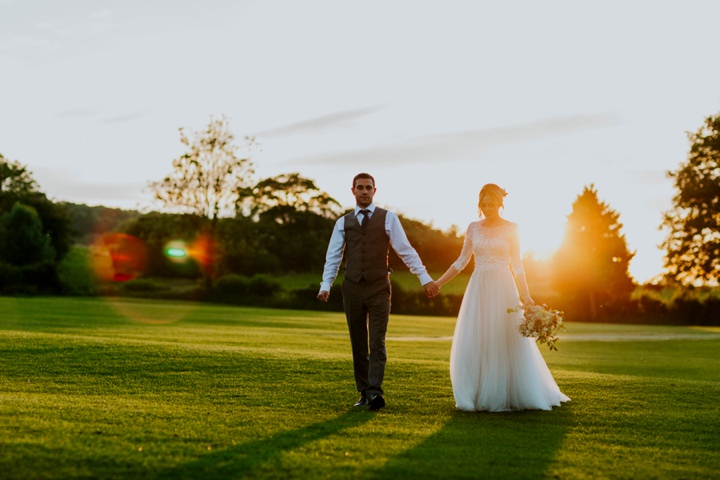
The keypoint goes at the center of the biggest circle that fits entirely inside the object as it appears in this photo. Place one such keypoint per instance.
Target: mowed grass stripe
(136, 389)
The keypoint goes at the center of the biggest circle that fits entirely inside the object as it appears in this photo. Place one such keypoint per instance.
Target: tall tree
(692, 248)
(205, 180)
(591, 265)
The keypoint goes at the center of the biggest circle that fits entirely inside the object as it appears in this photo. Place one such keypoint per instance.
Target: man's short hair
(363, 175)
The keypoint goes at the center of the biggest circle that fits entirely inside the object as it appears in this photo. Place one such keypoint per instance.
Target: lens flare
(177, 251)
(153, 312)
(117, 257)
(202, 250)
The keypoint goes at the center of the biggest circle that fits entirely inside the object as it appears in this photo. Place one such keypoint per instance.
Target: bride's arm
(523, 289)
(460, 263)
(447, 276)
(519, 271)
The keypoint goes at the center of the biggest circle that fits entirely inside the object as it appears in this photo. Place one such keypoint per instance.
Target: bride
(492, 366)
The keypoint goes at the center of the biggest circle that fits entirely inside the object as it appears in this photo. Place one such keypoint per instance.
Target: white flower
(541, 323)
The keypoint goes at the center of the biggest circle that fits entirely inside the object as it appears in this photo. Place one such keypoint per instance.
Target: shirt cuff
(425, 278)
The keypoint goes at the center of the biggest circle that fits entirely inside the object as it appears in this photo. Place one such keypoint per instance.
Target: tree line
(231, 229)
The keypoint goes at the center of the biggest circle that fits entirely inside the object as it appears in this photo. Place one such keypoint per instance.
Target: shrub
(142, 285)
(75, 273)
(30, 279)
(263, 286)
(231, 285)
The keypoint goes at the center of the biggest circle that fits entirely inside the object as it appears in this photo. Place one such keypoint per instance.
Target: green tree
(15, 178)
(282, 196)
(17, 185)
(293, 218)
(205, 180)
(89, 222)
(22, 239)
(591, 266)
(692, 247)
(436, 248)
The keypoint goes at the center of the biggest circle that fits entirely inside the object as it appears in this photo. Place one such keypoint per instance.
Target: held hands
(431, 289)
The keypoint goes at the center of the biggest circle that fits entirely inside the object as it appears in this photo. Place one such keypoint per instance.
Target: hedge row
(688, 307)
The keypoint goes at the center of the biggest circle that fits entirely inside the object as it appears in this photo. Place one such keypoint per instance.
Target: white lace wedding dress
(492, 366)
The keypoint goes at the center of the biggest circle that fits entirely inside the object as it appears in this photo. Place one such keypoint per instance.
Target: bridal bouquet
(542, 323)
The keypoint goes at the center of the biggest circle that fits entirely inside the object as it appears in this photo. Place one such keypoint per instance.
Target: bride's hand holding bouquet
(540, 322)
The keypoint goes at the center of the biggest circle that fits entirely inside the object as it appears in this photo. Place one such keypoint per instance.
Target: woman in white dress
(492, 366)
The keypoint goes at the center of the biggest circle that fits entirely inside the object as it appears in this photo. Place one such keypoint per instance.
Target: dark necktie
(366, 217)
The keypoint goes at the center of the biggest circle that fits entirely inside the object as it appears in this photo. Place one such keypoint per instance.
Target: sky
(434, 98)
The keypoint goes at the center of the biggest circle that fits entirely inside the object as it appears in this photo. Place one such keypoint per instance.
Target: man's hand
(431, 289)
(323, 296)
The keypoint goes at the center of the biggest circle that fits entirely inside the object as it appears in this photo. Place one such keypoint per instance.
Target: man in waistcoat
(364, 236)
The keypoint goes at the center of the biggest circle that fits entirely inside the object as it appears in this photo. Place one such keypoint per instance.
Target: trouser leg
(356, 315)
(378, 306)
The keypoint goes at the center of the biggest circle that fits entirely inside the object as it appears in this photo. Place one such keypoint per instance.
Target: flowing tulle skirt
(492, 366)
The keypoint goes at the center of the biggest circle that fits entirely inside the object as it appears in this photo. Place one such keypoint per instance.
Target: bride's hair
(494, 192)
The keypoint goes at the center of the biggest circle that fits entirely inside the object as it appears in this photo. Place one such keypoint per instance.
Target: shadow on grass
(244, 461)
(486, 445)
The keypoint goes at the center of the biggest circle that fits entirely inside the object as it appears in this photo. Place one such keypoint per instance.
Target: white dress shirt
(398, 240)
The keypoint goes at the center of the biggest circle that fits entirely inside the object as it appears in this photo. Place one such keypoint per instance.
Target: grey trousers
(367, 310)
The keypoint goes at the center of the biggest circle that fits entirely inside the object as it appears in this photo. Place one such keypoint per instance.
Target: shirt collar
(370, 207)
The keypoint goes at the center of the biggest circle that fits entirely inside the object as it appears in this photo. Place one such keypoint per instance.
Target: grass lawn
(93, 388)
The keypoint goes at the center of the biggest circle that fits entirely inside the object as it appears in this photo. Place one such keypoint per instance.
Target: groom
(365, 235)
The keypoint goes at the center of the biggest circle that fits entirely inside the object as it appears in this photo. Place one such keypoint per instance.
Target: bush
(231, 285)
(75, 273)
(416, 303)
(30, 279)
(263, 286)
(306, 299)
(240, 290)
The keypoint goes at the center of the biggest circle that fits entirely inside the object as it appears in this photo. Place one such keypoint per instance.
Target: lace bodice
(493, 247)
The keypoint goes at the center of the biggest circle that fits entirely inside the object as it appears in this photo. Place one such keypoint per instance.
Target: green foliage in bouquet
(541, 323)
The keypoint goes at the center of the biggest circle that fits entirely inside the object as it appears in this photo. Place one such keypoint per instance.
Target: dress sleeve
(466, 252)
(515, 258)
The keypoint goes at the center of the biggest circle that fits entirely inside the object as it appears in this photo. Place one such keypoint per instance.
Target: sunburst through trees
(590, 269)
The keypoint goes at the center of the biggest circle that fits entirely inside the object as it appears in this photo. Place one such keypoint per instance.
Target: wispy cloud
(460, 145)
(320, 123)
(99, 114)
(124, 118)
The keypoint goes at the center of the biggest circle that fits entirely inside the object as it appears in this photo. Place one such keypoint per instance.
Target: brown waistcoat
(366, 250)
